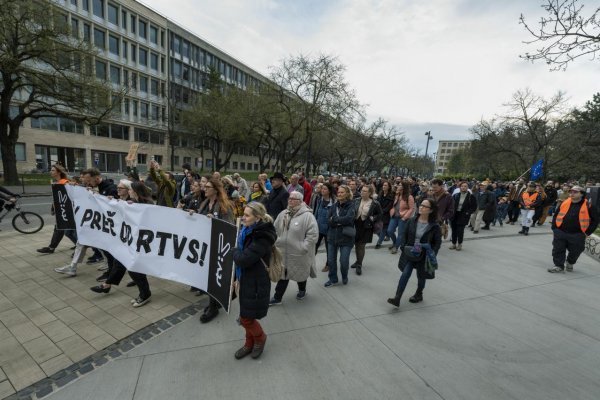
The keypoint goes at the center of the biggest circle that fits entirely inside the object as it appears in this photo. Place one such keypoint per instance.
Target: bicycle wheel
(27, 222)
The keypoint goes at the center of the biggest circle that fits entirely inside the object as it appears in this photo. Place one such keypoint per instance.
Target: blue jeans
(396, 223)
(332, 261)
(408, 269)
(382, 235)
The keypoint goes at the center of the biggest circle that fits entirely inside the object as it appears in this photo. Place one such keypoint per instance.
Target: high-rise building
(446, 148)
(153, 57)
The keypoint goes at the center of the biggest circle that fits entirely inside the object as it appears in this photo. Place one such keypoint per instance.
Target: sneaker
(569, 267)
(358, 270)
(329, 284)
(103, 267)
(301, 295)
(458, 247)
(325, 269)
(94, 260)
(140, 302)
(556, 270)
(102, 277)
(354, 265)
(67, 270)
(45, 250)
(274, 301)
(377, 246)
(394, 250)
(453, 247)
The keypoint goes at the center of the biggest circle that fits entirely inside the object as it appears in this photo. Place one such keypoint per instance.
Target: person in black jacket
(420, 230)
(464, 205)
(340, 216)
(252, 254)
(278, 197)
(489, 215)
(386, 200)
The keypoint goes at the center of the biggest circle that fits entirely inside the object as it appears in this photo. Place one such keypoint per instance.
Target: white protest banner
(159, 241)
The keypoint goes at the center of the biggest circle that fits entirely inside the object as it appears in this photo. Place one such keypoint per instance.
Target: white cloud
(413, 62)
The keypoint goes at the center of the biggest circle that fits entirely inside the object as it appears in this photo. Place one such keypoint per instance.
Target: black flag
(220, 265)
(63, 208)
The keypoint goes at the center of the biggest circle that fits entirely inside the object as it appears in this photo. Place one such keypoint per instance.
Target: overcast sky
(438, 65)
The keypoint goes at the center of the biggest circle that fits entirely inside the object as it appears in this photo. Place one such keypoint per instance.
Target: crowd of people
(296, 215)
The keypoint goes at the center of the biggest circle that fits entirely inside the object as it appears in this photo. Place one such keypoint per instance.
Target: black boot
(417, 297)
(526, 231)
(395, 301)
(209, 314)
(522, 231)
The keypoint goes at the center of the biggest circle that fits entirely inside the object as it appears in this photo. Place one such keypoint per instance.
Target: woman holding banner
(138, 193)
(252, 253)
(216, 205)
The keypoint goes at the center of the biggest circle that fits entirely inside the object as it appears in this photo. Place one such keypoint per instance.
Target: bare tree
(564, 34)
(46, 70)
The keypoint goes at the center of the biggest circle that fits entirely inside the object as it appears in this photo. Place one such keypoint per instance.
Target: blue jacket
(322, 215)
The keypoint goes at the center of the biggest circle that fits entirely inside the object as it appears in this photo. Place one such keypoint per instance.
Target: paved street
(494, 325)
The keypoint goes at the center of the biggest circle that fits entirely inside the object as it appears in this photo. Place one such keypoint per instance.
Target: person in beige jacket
(297, 234)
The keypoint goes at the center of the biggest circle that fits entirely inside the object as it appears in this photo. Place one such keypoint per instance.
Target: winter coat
(445, 207)
(386, 203)
(340, 215)
(277, 201)
(489, 215)
(321, 213)
(484, 199)
(255, 285)
(165, 187)
(296, 239)
(364, 229)
(468, 208)
(432, 235)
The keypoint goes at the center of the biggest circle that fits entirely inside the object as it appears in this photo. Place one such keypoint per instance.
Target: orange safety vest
(584, 215)
(529, 199)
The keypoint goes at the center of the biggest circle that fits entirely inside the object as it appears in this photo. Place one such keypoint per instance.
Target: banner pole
(238, 223)
(522, 175)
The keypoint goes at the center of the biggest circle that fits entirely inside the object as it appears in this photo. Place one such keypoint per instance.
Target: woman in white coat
(297, 234)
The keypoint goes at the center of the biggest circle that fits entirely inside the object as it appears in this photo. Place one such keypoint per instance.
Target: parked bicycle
(24, 221)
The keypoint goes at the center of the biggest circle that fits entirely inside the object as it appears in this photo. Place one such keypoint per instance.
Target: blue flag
(537, 170)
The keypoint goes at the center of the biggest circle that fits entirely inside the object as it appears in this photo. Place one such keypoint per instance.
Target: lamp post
(429, 137)
(308, 131)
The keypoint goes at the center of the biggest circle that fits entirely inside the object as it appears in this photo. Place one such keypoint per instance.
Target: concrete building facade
(151, 56)
(446, 148)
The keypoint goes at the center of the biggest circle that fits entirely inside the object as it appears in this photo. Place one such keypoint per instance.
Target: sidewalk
(49, 321)
(494, 325)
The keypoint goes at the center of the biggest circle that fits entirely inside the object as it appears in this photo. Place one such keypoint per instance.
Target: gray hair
(296, 195)
(126, 183)
(294, 176)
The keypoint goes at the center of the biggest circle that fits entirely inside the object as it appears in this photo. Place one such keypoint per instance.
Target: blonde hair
(259, 211)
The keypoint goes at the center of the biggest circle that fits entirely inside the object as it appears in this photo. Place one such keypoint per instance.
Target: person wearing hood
(252, 253)
(297, 234)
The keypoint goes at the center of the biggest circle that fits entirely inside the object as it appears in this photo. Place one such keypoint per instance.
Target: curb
(79, 369)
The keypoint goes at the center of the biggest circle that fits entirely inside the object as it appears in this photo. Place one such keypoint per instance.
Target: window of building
(148, 136)
(57, 124)
(242, 165)
(124, 19)
(143, 57)
(113, 44)
(113, 14)
(185, 74)
(187, 160)
(86, 32)
(133, 52)
(100, 38)
(176, 160)
(153, 34)
(142, 29)
(133, 80)
(133, 24)
(85, 4)
(20, 152)
(154, 61)
(162, 38)
(115, 75)
(176, 69)
(154, 87)
(186, 49)
(100, 70)
(119, 132)
(125, 49)
(154, 113)
(144, 110)
(235, 165)
(143, 84)
(142, 158)
(126, 106)
(176, 44)
(162, 64)
(158, 158)
(74, 27)
(99, 8)
(134, 106)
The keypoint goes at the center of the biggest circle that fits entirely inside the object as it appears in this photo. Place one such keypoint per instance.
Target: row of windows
(57, 124)
(131, 79)
(144, 29)
(20, 152)
(149, 136)
(455, 144)
(113, 131)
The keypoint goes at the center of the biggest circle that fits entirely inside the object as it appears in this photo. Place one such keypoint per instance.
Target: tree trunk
(9, 158)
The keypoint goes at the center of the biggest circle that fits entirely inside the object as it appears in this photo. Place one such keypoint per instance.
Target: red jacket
(307, 191)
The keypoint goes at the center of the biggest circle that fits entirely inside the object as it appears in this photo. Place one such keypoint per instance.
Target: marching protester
(315, 196)
(574, 220)
(191, 202)
(295, 185)
(484, 198)
(321, 211)
(306, 187)
(242, 185)
(165, 184)
(501, 211)
(530, 199)
(216, 205)
(386, 201)
(185, 186)
(465, 204)
(70, 269)
(402, 210)
(514, 198)
(138, 193)
(277, 200)
(265, 181)
(297, 234)
(259, 192)
(340, 235)
(423, 239)
(539, 208)
(368, 212)
(445, 204)
(59, 177)
(489, 214)
(549, 202)
(252, 254)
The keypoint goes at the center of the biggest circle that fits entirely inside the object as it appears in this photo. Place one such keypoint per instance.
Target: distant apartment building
(153, 57)
(446, 148)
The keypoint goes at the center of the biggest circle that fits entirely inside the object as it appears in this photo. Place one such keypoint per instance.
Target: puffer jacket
(340, 215)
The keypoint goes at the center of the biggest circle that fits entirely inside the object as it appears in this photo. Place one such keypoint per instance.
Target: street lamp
(429, 137)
